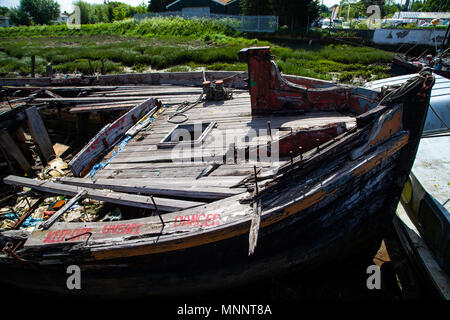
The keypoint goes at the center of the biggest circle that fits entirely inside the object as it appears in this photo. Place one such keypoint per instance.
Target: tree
(119, 13)
(3, 11)
(255, 7)
(18, 17)
(39, 11)
(324, 11)
(436, 5)
(417, 6)
(295, 13)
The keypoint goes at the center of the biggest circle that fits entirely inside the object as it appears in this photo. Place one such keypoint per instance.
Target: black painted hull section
(298, 244)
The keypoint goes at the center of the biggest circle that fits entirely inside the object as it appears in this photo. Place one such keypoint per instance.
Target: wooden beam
(125, 199)
(47, 224)
(153, 78)
(13, 150)
(163, 188)
(88, 99)
(39, 134)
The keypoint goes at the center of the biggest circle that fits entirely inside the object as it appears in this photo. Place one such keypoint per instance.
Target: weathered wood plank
(107, 196)
(254, 227)
(162, 188)
(154, 78)
(47, 224)
(86, 99)
(39, 134)
(108, 136)
(13, 150)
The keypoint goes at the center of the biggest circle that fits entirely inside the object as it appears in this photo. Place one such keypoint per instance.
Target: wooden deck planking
(141, 158)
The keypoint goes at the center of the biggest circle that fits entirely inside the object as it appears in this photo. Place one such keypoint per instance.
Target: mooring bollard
(33, 64)
(49, 70)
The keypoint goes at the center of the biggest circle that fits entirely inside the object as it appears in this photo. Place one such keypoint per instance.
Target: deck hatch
(187, 134)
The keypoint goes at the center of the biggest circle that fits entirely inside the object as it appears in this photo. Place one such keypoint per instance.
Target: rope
(406, 87)
(184, 106)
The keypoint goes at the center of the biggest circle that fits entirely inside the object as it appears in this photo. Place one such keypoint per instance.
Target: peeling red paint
(270, 92)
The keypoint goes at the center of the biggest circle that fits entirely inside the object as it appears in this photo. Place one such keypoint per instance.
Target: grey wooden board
(39, 134)
(154, 187)
(110, 133)
(107, 196)
(57, 215)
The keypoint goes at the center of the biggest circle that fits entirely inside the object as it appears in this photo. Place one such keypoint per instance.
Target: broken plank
(39, 134)
(119, 198)
(107, 136)
(254, 227)
(47, 224)
(13, 150)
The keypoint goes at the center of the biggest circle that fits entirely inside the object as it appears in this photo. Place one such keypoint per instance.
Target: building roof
(422, 15)
(222, 2)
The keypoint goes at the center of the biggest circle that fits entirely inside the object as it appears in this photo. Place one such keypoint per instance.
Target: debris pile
(86, 210)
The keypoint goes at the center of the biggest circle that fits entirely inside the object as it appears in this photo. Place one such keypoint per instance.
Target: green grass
(147, 28)
(173, 44)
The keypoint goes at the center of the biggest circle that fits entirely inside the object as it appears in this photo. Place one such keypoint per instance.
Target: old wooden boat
(288, 175)
(422, 218)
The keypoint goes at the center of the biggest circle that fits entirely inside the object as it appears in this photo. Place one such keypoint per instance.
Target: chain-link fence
(242, 23)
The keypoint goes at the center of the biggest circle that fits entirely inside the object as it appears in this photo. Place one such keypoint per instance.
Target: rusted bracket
(28, 213)
(10, 250)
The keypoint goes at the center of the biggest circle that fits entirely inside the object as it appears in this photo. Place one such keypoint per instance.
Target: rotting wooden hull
(331, 230)
(298, 245)
(331, 204)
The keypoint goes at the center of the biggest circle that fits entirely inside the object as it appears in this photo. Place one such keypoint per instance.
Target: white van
(326, 23)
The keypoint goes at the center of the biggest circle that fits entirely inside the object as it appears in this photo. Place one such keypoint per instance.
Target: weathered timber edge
(120, 198)
(194, 78)
(108, 135)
